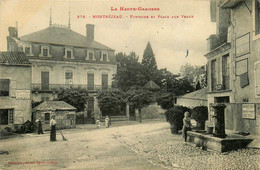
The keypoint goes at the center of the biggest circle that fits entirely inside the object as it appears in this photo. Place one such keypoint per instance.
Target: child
(98, 123)
(186, 126)
(107, 121)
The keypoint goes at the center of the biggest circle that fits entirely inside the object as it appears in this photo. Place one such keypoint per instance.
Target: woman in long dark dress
(53, 129)
(40, 127)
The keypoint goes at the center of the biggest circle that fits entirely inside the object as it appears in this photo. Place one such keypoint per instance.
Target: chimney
(90, 31)
(13, 32)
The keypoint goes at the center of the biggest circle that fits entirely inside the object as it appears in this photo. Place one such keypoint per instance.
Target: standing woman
(53, 129)
(186, 126)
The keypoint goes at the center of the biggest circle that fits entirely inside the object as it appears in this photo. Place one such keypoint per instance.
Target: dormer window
(68, 53)
(45, 51)
(90, 55)
(27, 49)
(104, 56)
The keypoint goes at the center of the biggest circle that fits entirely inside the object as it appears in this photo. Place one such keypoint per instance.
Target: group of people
(186, 126)
(52, 125)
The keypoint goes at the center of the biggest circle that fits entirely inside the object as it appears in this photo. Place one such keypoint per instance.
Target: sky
(170, 37)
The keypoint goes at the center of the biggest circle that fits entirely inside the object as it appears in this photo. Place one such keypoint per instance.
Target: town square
(130, 84)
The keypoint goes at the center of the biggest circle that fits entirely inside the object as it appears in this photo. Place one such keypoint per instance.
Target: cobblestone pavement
(169, 151)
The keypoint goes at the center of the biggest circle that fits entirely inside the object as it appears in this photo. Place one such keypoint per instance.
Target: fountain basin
(208, 141)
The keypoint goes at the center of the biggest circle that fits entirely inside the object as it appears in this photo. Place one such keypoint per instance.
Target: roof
(151, 85)
(63, 36)
(197, 95)
(54, 105)
(13, 58)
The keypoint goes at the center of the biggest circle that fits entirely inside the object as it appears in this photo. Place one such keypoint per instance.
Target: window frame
(68, 71)
(10, 116)
(255, 72)
(66, 53)
(88, 55)
(225, 69)
(256, 34)
(9, 83)
(30, 49)
(102, 56)
(48, 51)
(215, 73)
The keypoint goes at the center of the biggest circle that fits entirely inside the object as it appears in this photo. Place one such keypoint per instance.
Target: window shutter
(257, 81)
(12, 88)
(18, 117)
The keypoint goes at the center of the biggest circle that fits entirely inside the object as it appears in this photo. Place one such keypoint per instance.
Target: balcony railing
(58, 87)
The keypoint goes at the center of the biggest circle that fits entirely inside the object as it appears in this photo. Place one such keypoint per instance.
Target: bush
(200, 114)
(175, 115)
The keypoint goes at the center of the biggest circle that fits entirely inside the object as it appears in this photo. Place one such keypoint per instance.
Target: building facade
(15, 89)
(234, 63)
(62, 58)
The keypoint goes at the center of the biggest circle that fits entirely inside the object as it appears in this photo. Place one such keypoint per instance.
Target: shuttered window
(4, 87)
(257, 79)
(257, 16)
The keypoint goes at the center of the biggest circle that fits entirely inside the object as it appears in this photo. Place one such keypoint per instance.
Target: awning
(229, 3)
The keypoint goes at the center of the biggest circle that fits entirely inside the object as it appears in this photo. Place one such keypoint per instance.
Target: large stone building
(62, 58)
(15, 89)
(234, 63)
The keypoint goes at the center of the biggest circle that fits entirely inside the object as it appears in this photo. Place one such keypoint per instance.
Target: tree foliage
(129, 72)
(139, 98)
(165, 100)
(148, 58)
(193, 74)
(110, 101)
(75, 97)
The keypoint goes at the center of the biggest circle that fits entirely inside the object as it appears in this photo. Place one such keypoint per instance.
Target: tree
(148, 58)
(165, 100)
(129, 72)
(75, 97)
(193, 74)
(110, 101)
(139, 98)
(149, 63)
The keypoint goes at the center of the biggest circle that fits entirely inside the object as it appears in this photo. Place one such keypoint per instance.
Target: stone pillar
(219, 120)
(127, 112)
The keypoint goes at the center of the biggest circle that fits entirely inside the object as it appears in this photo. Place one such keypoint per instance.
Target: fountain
(218, 141)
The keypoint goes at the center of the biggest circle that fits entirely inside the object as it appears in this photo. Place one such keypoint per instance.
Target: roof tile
(13, 58)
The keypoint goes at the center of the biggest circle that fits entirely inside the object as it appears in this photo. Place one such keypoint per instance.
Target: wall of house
(19, 97)
(236, 121)
(243, 24)
(80, 71)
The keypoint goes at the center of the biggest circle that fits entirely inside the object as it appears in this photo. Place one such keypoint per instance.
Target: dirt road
(95, 149)
(125, 145)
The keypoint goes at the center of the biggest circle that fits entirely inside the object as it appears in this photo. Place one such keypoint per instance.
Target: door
(45, 80)
(104, 81)
(90, 81)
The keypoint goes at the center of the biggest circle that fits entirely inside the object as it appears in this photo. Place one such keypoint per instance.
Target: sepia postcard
(129, 84)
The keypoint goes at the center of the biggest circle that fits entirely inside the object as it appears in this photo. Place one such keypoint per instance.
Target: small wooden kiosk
(65, 114)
